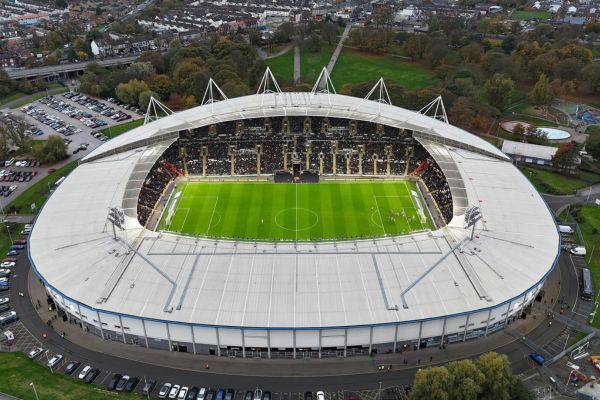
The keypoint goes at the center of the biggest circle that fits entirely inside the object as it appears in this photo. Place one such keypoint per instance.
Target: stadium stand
(364, 147)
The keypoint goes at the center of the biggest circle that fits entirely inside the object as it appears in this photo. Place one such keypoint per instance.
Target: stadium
(294, 225)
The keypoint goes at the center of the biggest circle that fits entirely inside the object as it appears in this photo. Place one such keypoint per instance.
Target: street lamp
(34, 391)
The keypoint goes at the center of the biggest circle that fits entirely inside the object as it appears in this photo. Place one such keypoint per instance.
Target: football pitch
(330, 210)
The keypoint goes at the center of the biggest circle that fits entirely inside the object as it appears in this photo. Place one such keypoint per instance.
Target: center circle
(296, 214)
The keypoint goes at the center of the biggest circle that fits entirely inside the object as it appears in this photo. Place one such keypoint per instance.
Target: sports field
(269, 211)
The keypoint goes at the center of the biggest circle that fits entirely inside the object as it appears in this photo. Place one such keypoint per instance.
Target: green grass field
(355, 67)
(551, 182)
(269, 211)
(113, 131)
(522, 14)
(311, 64)
(283, 66)
(18, 371)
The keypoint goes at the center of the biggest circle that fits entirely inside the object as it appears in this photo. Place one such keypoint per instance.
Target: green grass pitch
(302, 212)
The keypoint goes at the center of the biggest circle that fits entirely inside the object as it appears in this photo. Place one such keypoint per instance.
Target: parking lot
(76, 118)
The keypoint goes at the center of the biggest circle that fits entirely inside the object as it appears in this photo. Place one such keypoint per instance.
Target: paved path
(338, 49)
(19, 218)
(297, 74)
(263, 55)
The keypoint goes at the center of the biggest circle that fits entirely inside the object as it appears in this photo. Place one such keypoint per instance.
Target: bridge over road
(63, 69)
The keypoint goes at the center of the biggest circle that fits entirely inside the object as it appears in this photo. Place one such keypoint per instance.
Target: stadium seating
(314, 139)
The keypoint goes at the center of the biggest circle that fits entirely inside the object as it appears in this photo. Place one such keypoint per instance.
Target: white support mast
(156, 110)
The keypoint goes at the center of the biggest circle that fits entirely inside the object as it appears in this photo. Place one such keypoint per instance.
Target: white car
(183, 393)
(35, 352)
(4, 300)
(164, 391)
(7, 264)
(578, 251)
(320, 395)
(54, 360)
(4, 271)
(84, 371)
(174, 391)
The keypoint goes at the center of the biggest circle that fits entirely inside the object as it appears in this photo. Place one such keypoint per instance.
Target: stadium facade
(285, 299)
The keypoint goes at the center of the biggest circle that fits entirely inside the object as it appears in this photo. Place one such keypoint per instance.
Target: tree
(255, 37)
(329, 32)
(130, 92)
(416, 45)
(568, 69)
(144, 98)
(566, 156)
(313, 43)
(53, 150)
(518, 130)
(160, 84)
(154, 58)
(498, 91)
(542, 94)
(466, 380)
(593, 150)
(61, 4)
(433, 383)
(383, 16)
(141, 70)
(284, 32)
(497, 376)
(6, 84)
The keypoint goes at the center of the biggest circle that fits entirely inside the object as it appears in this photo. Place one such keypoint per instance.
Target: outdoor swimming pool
(554, 134)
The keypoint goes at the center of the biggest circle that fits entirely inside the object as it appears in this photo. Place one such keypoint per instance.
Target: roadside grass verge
(114, 131)
(39, 191)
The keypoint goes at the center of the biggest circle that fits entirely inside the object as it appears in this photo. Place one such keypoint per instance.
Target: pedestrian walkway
(338, 49)
(297, 72)
(406, 359)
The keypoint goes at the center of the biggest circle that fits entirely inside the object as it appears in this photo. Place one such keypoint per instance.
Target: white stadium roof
(246, 284)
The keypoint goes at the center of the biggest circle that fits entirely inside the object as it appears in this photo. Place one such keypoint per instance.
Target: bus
(586, 285)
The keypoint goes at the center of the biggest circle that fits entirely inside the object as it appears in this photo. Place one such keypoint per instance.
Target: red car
(10, 259)
(20, 241)
(51, 170)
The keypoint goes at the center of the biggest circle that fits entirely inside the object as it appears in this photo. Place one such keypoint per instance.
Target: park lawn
(38, 192)
(590, 228)
(283, 66)
(554, 183)
(311, 64)
(18, 372)
(294, 212)
(522, 14)
(113, 131)
(53, 88)
(356, 67)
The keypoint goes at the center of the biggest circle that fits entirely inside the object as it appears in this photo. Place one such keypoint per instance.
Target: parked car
(122, 382)
(53, 362)
(182, 393)
(92, 375)
(35, 352)
(164, 390)
(84, 372)
(192, 393)
(174, 391)
(112, 384)
(4, 300)
(71, 367)
(131, 384)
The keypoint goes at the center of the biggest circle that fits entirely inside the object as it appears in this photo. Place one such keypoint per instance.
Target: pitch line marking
(212, 215)
(296, 211)
(380, 217)
(187, 212)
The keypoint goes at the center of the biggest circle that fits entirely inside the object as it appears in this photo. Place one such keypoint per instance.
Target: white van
(565, 229)
(578, 251)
